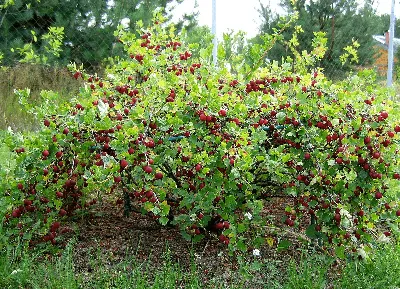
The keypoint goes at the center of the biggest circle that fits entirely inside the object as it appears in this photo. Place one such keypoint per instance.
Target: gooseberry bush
(198, 147)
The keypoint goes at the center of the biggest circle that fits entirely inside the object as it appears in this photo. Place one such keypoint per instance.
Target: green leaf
(163, 220)
(241, 246)
(312, 233)
(198, 238)
(283, 245)
(339, 251)
(241, 228)
(186, 236)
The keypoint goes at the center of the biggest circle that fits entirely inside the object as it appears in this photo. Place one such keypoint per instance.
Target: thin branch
(272, 44)
(167, 170)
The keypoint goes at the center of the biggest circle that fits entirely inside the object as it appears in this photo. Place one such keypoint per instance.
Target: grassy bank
(25, 271)
(36, 78)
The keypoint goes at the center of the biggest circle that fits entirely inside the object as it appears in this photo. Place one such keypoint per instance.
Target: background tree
(88, 25)
(343, 21)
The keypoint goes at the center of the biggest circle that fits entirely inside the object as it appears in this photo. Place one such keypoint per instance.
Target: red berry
(77, 74)
(54, 226)
(376, 155)
(45, 153)
(339, 161)
(226, 225)
(222, 112)
(367, 140)
(62, 212)
(123, 164)
(16, 213)
(198, 167)
(148, 169)
(378, 195)
(158, 176)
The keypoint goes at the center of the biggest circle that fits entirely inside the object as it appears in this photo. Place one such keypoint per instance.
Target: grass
(24, 270)
(382, 271)
(36, 78)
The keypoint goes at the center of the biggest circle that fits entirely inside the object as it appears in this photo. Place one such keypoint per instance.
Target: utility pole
(214, 30)
(390, 49)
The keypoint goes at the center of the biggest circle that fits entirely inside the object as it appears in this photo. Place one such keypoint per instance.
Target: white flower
(248, 216)
(256, 252)
(361, 252)
(16, 271)
(383, 239)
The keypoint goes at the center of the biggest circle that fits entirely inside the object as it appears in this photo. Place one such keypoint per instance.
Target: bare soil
(106, 232)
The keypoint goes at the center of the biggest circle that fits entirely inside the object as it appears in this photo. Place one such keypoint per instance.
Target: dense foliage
(194, 146)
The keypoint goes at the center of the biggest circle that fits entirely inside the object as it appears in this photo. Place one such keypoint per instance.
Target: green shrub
(194, 146)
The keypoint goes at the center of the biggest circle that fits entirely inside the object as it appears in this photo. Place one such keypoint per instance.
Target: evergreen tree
(88, 25)
(342, 20)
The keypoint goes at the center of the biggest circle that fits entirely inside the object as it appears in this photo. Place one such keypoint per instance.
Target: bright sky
(243, 15)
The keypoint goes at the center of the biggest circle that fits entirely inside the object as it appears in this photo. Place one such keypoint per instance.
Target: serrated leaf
(163, 220)
(284, 245)
(186, 236)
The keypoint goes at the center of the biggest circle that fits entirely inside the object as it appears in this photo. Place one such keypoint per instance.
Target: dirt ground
(107, 231)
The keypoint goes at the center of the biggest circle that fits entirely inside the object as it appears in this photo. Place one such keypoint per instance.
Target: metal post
(214, 30)
(390, 49)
